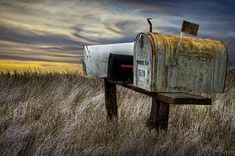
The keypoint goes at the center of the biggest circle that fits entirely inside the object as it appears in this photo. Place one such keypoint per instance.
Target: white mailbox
(96, 57)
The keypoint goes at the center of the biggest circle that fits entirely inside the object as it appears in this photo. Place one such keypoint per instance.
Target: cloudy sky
(56, 30)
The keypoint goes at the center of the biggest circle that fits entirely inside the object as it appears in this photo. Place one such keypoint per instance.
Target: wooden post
(159, 114)
(152, 120)
(163, 115)
(110, 100)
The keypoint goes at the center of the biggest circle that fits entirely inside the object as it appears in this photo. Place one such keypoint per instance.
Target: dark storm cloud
(220, 14)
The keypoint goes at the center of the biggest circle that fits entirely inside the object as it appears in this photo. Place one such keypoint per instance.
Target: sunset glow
(34, 66)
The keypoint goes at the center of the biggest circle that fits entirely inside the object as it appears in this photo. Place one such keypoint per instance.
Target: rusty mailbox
(96, 57)
(162, 65)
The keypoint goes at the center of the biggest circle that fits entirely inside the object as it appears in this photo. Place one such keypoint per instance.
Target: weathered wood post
(159, 114)
(163, 115)
(110, 100)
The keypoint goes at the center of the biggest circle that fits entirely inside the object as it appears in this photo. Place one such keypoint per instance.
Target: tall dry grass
(64, 114)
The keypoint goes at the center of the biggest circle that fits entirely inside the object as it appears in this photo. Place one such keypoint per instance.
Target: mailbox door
(143, 62)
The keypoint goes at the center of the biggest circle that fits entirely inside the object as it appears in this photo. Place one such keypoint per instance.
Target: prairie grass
(64, 114)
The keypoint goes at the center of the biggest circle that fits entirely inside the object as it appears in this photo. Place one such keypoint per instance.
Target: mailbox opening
(120, 68)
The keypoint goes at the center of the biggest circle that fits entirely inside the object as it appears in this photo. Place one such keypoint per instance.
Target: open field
(38, 66)
(64, 114)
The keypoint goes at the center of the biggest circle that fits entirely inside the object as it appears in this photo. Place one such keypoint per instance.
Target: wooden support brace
(110, 100)
(159, 114)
